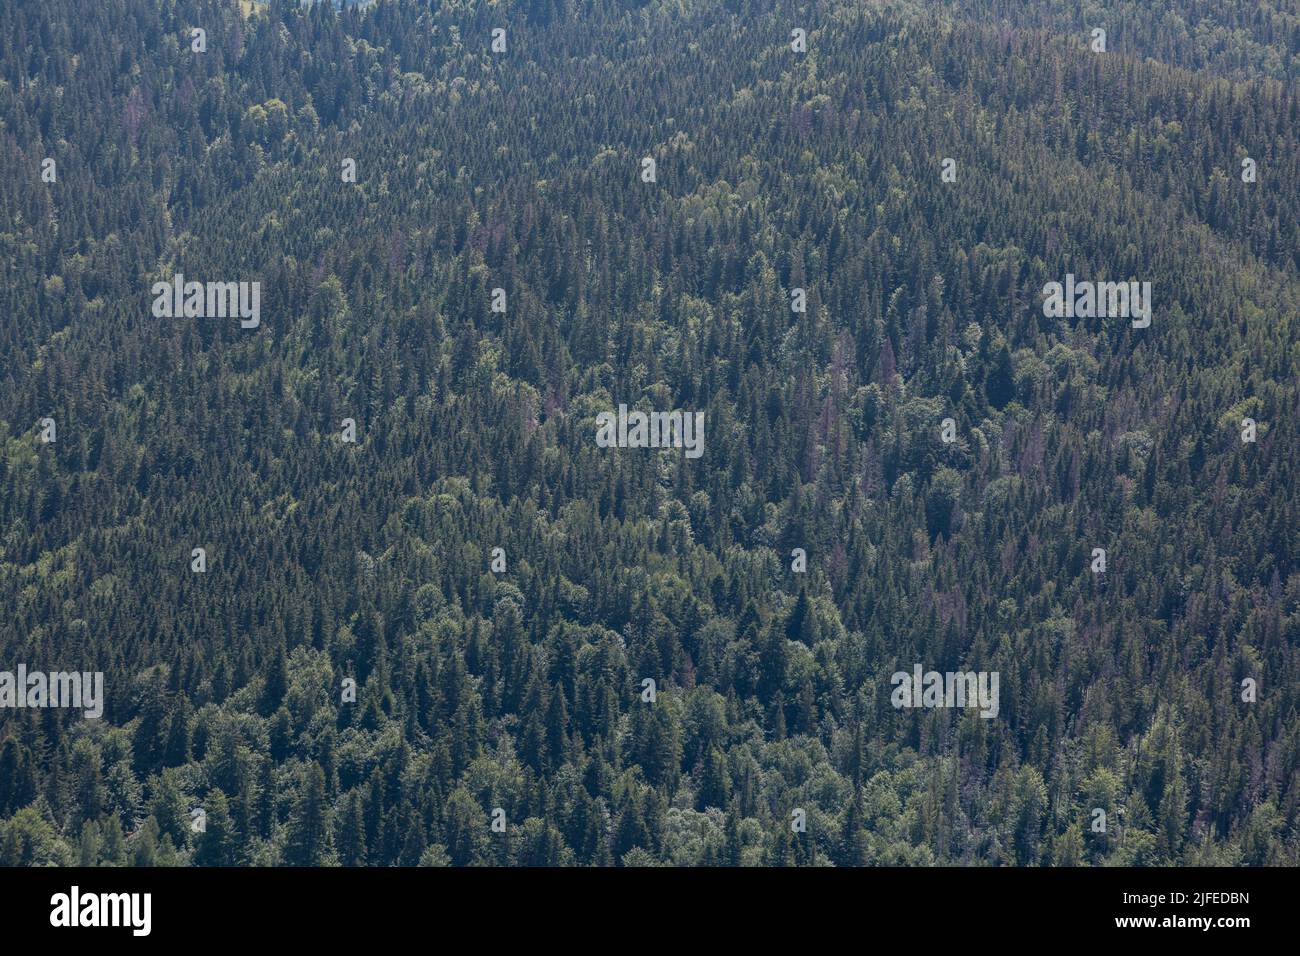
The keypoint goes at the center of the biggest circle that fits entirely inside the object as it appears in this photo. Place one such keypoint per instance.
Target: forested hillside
(510, 685)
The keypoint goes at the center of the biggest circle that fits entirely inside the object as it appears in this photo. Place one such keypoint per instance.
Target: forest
(364, 588)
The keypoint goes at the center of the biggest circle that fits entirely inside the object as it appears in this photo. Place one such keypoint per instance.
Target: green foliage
(475, 430)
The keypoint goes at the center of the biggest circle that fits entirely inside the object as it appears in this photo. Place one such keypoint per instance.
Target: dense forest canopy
(501, 711)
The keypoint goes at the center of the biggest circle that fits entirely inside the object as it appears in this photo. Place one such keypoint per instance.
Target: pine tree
(309, 838)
